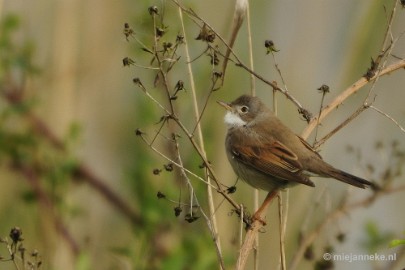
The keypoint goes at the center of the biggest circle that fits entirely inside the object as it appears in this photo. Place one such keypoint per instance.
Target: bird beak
(227, 106)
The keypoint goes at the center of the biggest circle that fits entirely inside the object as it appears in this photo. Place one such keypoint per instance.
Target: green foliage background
(65, 59)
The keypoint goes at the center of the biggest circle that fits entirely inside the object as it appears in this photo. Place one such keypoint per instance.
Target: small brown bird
(267, 154)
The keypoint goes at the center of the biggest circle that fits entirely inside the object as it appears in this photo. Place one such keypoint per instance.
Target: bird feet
(257, 217)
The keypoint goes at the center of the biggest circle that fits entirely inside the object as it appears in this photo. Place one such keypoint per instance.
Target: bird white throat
(233, 120)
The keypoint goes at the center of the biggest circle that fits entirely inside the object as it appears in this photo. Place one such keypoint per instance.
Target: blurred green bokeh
(66, 57)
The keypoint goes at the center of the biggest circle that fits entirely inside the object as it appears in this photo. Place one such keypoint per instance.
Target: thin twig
(197, 117)
(14, 97)
(154, 149)
(278, 70)
(245, 5)
(347, 93)
(343, 209)
(250, 49)
(282, 224)
(385, 52)
(237, 60)
(282, 213)
(389, 117)
(241, 7)
(285, 92)
(320, 110)
(214, 233)
(340, 126)
(196, 147)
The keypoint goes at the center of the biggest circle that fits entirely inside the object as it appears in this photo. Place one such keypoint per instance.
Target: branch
(47, 206)
(238, 61)
(14, 96)
(347, 93)
(198, 116)
(252, 232)
(343, 209)
(389, 117)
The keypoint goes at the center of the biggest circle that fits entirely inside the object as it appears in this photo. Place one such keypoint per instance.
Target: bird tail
(348, 178)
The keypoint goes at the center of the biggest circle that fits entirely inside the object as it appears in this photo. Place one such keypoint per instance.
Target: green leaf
(83, 262)
(396, 242)
(375, 238)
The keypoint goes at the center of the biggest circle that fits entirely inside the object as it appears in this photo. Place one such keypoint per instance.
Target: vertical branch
(324, 89)
(283, 213)
(253, 93)
(238, 17)
(250, 50)
(200, 138)
(47, 205)
(254, 229)
(256, 242)
(193, 197)
(282, 226)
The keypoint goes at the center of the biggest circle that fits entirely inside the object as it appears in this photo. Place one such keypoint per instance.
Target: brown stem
(253, 231)
(347, 93)
(47, 205)
(339, 211)
(14, 96)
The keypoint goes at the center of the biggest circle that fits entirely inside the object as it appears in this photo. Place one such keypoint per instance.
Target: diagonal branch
(347, 93)
(343, 209)
(14, 96)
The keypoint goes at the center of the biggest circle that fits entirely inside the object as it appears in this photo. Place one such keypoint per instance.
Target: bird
(268, 155)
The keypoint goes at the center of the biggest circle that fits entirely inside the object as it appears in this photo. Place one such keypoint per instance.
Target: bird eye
(244, 109)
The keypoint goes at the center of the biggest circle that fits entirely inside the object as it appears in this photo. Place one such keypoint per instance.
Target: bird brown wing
(308, 146)
(273, 159)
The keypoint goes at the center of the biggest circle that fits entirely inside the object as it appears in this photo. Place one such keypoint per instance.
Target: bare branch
(388, 116)
(341, 210)
(347, 93)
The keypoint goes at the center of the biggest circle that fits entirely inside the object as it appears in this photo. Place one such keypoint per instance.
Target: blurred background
(81, 185)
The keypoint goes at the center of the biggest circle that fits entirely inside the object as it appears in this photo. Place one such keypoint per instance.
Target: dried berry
(16, 234)
(156, 171)
(177, 211)
(160, 195)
